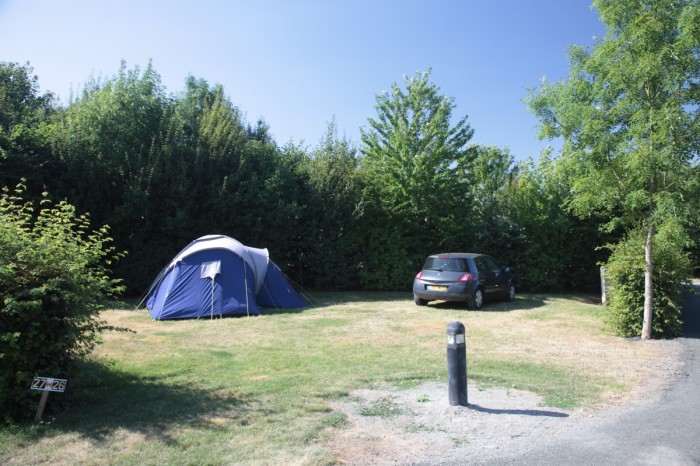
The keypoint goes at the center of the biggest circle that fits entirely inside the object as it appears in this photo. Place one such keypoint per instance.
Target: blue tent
(216, 275)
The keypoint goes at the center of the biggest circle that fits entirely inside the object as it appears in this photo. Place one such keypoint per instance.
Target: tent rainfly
(215, 276)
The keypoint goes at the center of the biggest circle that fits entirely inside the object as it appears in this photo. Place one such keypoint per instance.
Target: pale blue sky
(298, 64)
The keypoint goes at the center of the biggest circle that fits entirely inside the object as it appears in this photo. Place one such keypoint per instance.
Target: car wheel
(511, 292)
(419, 301)
(477, 300)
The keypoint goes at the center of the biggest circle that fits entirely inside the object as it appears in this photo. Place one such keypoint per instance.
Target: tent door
(209, 271)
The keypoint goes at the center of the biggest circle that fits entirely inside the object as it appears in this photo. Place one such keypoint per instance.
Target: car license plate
(436, 288)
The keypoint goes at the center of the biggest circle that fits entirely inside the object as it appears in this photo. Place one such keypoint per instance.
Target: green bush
(625, 270)
(53, 283)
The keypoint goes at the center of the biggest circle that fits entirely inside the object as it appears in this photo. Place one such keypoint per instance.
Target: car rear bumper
(461, 292)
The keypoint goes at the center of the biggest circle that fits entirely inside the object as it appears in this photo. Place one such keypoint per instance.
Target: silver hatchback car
(466, 277)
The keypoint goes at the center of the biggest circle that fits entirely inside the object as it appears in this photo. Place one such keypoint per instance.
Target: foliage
(20, 102)
(163, 169)
(552, 248)
(53, 284)
(414, 151)
(330, 193)
(415, 190)
(630, 119)
(23, 113)
(625, 270)
(491, 172)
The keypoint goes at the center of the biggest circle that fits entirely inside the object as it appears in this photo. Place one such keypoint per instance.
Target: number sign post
(47, 384)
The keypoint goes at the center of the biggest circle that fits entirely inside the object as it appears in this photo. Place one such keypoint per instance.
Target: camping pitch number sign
(49, 384)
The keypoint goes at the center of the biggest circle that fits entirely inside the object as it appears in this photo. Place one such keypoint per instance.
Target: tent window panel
(210, 269)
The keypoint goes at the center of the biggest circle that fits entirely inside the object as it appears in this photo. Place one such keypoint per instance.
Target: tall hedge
(53, 283)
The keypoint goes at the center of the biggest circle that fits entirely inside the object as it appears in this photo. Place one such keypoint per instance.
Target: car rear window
(451, 264)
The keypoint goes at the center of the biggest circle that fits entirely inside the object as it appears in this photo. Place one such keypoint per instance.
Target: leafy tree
(23, 114)
(103, 141)
(552, 248)
(491, 172)
(106, 146)
(413, 150)
(20, 102)
(330, 225)
(415, 195)
(53, 284)
(626, 270)
(629, 117)
(167, 169)
(210, 172)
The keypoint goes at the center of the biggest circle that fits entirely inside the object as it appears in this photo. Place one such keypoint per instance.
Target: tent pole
(211, 314)
(245, 277)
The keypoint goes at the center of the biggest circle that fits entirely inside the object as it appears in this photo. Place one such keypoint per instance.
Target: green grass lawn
(256, 390)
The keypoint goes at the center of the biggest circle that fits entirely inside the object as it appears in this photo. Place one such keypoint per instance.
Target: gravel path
(660, 425)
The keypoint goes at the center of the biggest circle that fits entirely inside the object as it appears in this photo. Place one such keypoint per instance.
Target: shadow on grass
(523, 302)
(339, 298)
(520, 412)
(128, 303)
(104, 400)
(330, 298)
(270, 311)
(585, 298)
(348, 297)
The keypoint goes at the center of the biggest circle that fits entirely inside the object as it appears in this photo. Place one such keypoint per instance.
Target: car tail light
(467, 277)
(420, 275)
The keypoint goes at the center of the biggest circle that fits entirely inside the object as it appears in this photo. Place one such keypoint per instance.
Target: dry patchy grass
(258, 390)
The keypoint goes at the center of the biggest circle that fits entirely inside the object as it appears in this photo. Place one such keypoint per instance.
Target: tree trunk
(648, 290)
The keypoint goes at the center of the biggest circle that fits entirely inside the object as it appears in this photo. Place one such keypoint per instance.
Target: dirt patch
(418, 426)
